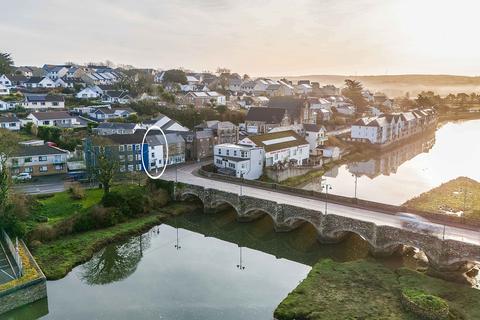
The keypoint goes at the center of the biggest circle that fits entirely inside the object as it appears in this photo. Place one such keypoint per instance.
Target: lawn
(369, 290)
(61, 205)
(451, 196)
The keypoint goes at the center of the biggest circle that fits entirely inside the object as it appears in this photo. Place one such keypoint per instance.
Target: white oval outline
(166, 158)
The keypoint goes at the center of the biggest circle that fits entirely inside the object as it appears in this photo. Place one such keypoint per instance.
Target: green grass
(57, 258)
(368, 290)
(61, 205)
(450, 196)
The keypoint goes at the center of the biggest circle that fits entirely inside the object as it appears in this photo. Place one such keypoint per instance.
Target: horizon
(364, 37)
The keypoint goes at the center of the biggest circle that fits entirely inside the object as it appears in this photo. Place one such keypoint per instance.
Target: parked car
(25, 176)
(416, 223)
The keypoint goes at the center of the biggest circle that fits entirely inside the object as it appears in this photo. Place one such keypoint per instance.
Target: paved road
(185, 174)
(43, 185)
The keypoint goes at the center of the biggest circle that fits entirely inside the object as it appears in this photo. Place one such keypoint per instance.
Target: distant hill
(398, 85)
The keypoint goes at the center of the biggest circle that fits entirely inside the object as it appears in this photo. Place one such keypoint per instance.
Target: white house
(10, 123)
(202, 98)
(241, 161)
(105, 113)
(303, 89)
(54, 119)
(4, 90)
(165, 123)
(280, 147)
(316, 136)
(331, 152)
(116, 96)
(40, 82)
(44, 101)
(109, 128)
(55, 72)
(5, 81)
(88, 93)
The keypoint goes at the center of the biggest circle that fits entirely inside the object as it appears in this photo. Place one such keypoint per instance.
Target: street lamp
(240, 266)
(356, 181)
(326, 187)
(177, 245)
(241, 184)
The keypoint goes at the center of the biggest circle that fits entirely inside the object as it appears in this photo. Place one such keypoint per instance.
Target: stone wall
(23, 295)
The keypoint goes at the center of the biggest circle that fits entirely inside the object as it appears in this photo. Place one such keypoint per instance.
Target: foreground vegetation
(368, 290)
(459, 195)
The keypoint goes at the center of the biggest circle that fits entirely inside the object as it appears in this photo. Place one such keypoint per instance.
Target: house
(11, 102)
(322, 115)
(103, 113)
(303, 89)
(116, 96)
(316, 135)
(280, 147)
(18, 80)
(286, 89)
(191, 85)
(165, 123)
(88, 93)
(202, 98)
(55, 71)
(64, 83)
(24, 71)
(203, 145)
(44, 101)
(346, 109)
(240, 161)
(40, 82)
(38, 160)
(10, 123)
(5, 81)
(156, 142)
(297, 108)
(261, 120)
(110, 128)
(331, 152)
(223, 131)
(4, 91)
(61, 119)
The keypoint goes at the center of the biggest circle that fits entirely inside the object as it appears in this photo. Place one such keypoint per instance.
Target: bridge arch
(254, 213)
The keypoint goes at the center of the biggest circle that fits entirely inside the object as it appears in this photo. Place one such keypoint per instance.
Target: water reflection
(406, 171)
(32, 311)
(115, 262)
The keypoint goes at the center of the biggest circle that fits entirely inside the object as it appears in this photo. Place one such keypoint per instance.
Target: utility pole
(356, 182)
(240, 266)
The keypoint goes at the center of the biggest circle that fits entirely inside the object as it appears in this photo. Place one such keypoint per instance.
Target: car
(416, 223)
(24, 176)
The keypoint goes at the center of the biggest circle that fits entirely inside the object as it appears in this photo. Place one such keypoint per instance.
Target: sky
(268, 37)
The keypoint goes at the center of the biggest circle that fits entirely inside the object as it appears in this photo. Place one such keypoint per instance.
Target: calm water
(403, 173)
(146, 277)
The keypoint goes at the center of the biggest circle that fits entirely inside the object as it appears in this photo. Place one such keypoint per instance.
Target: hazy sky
(268, 37)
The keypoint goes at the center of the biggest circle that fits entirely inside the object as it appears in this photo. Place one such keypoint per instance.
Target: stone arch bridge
(447, 258)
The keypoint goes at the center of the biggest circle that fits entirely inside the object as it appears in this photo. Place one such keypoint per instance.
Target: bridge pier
(331, 238)
(287, 226)
(383, 252)
(461, 272)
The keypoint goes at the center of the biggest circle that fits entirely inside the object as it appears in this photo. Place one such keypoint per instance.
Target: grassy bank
(368, 290)
(58, 257)
(451, 196)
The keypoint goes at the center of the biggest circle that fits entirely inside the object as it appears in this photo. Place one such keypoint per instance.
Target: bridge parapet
(442, 254)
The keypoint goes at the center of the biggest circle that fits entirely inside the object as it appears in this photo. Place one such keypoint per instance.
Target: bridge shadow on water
(299, 245)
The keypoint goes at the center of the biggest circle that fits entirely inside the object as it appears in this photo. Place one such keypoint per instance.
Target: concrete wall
(23, 295)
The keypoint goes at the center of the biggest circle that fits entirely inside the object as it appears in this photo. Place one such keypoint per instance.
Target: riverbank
(458, 197)
(368, 290)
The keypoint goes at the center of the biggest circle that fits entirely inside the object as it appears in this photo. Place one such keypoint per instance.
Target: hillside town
(278, 125)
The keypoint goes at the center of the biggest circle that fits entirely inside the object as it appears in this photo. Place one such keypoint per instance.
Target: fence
(14, 252)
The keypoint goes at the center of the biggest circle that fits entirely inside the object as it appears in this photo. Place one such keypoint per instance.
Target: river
(205, 267)
(407, 171)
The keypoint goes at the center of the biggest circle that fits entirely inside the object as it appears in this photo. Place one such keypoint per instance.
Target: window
(130, 168)
(129, 147)
(121, 148)
(28, 170)
(219, 161)
(121, 157)
(231, 165)
(43, 169)
(59, 167)
(137, 146)
(122, 169)
(42, 158)
(228, 152)
(235, 153)
(139, 167)
(130, 157)
(28, 159)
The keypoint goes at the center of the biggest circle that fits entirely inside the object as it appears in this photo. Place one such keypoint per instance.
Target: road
(42, 185)
(186, 174)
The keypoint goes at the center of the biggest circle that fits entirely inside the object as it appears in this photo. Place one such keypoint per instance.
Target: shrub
(43, 232)
(77, 192)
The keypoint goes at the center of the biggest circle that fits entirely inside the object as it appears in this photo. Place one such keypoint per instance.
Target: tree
(6, 63)
(107, 168)
(175, 76)
(353, 90)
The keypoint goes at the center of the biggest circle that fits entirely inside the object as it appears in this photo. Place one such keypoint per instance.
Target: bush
(77, 192)
(43, 232)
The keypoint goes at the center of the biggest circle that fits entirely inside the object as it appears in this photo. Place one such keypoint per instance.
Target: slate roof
(293, 105)
(51, 115)
(260, 139)
(44, 97)
(267, 115)
(116, 125)
(9, 119)
(25, 151)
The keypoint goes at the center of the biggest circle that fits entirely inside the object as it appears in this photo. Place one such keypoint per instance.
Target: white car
(413, 222)
(25, 176)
